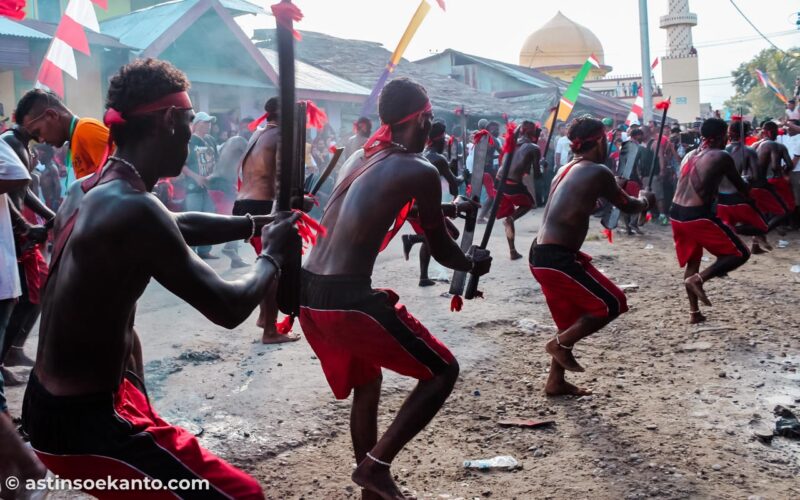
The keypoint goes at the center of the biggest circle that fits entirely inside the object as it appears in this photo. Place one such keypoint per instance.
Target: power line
(757, 30)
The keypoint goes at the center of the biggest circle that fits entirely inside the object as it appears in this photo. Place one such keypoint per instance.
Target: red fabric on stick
(456, 303)
(315, 116)
(285, 13)
(71, 33)
(480, 134)
(284, 327)
(12, 8)
(663, 105)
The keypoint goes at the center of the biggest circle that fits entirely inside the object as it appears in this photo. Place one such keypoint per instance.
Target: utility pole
(647, 78)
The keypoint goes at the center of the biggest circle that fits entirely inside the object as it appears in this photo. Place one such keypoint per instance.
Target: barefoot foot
(11, 380)
(695, 285)
(563, 356)
(515, 255)
(756, 249)
(696, 317)
(278, 338)
(564, 388)
(426, 282)
(377, 479)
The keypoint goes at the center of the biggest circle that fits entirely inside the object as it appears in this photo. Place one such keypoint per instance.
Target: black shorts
(252, 207)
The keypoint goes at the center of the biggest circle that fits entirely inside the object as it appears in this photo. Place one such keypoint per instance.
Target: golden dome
(560, 42)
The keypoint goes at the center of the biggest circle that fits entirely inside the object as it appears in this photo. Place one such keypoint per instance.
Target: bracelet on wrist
(252, 226)
(269, 258)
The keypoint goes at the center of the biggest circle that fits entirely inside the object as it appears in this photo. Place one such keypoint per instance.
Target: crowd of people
(146, 194)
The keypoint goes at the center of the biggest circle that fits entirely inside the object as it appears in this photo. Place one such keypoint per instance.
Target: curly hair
(140, 82)
(399, 98)
(273, 108)
(582, 130)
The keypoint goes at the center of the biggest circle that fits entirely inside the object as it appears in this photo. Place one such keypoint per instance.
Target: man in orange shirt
(48, 120)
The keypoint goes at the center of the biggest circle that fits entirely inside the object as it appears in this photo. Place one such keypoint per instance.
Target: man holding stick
(580, 298)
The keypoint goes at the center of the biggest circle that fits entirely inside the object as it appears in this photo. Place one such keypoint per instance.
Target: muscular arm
(198, 228)
(610, 190)
(174, 265)
(444, 171)
(788, 165)
(428, 194)
(730, 172)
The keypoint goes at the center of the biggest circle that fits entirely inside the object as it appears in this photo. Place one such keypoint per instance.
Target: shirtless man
(86, 416)
(356, 330)
(770, 156)
(733, 208)
(256, 196)
(580, 298)
(517, 198)
(434, 153)
(694, 225)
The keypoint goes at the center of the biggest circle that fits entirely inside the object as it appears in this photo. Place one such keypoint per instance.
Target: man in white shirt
(13, 176)
(562, 147)
(792, 113)
(792, 143)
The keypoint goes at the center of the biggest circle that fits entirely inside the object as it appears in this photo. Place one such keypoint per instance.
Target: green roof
(140, 28)
(11, 28)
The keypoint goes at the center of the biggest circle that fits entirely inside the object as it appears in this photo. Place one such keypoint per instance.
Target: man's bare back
(526, 156)
(578, 186)
(372, 203)
(702, 172)
(746, 162)
(773, 160)
(259, 165)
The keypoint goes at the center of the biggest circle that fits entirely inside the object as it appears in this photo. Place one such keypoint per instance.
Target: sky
(496, 29)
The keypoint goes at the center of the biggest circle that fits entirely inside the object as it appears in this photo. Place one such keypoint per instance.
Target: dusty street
(672, 415)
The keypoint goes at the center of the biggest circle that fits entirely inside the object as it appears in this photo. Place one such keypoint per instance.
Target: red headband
(383, 136)
(431, 140)
(315, 117)
(576, 144)
(178, 100)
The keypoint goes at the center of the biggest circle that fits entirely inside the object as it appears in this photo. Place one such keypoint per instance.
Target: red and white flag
(69, 37)
(655, 63)
(637, 109)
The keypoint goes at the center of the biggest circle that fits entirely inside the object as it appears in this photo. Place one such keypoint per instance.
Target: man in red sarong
(580, 298)
(694, 226)
(356, 330)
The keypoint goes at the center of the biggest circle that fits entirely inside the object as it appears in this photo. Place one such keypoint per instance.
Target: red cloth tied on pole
(477, 136)
(332, 149)
(382, 138)
(285, 13)
(309, 229)
(253, 125)
(315, 117)
(13, 9)
(508, 141)
(663, 105)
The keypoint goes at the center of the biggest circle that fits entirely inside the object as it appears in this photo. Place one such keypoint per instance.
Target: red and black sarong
(768, 201)
(515, 195)
(783, 188)
(735, 209)
(356, 330)
(573, 287)
(118, 435)
(696, 228)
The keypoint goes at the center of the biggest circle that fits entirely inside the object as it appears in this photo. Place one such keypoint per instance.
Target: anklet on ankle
(380, 462)
(562, 346)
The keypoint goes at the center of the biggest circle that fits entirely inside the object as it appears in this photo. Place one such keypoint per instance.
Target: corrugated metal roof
(216, 77)
(11, 28)
(242, 7)
(141, 28)
(310, 77)
(49, 29)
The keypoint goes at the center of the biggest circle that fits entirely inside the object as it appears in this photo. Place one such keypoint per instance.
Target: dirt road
(672, 415)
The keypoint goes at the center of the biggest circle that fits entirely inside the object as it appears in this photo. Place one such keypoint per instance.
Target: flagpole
(647, 79)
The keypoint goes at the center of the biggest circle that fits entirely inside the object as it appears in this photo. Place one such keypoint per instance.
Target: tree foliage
(751, 95)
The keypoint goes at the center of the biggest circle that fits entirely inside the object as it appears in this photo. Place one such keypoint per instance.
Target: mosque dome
(561, 45)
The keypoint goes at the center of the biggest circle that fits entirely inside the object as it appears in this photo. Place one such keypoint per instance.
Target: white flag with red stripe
(637, 109)
(68, 38)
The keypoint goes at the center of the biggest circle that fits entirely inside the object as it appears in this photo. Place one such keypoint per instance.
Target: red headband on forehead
(178, 100)
(576, 144)
(382, 138)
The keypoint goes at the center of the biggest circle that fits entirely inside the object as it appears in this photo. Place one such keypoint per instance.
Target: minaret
(679, 69)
